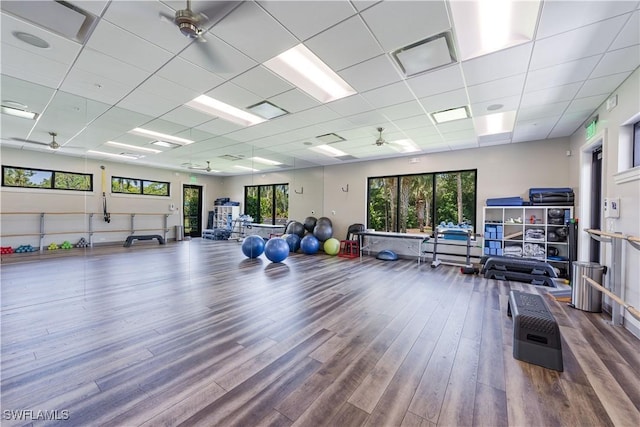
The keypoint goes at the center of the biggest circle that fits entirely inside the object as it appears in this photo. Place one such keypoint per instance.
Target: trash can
(584, 296)
(179, 233)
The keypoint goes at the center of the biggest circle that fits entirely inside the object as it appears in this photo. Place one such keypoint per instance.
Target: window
(636, 144)
(267, 204)
(414, 203)
(139, 186)
(47, 179)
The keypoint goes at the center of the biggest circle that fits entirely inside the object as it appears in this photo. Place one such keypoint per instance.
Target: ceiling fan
(380, 141)
(200, 168)
(53, 144)
(192, 24)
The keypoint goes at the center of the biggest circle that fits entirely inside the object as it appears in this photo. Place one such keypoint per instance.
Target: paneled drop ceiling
(109, 67)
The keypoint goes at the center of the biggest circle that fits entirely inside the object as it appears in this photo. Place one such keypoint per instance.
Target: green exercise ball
(331, 246)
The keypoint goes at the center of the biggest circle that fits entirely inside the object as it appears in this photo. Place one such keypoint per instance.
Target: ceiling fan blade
(31, 141)
(165, 17)
(216, 63)
(216, 12)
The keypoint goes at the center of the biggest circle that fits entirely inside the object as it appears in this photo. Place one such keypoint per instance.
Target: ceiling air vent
(231, 157)
(57, 16)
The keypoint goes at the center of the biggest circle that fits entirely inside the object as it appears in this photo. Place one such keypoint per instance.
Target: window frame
(274, 204)
(433, 205)
(53, 178)
(635, 145)
(141, 186)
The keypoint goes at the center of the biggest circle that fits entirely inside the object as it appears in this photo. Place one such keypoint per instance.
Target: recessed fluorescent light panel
(450, 115)
(161, 136)
(265, 161)
(267, 110)
(133, 147)
(19, 113)
(246, 168)
(213, 107)
(405, 146)
(121, 156)
(484, 27)
(165, 144)
(302, 68)
(426, 55)
(328, 150)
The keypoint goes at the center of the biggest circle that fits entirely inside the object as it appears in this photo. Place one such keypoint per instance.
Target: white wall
(619, 181)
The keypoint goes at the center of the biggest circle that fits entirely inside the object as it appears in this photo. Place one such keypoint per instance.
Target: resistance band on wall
(107, 215)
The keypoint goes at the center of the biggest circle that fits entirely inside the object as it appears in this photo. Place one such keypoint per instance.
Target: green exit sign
(591, 127)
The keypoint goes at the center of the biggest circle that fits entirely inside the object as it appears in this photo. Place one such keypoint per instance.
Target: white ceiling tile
(562, 74)
(60, 49)
(189, 75)
(403, 110)
(110, 68)
(234, 95)
(438, 81)
(630, 35)
(294, 101)
(566, 127)
(588, 104)
(532, 130)
(27, 66)
(392, 94)
(344, 45)
(601, 85)
(168, 90)
(580, 43)
(417, 126)
(93, 86)
(456, 126)
(146, 102)
(505, 63)
(509, 103)
(186, 116)
(353, 104)
(554, 19)
(109, 39)
(262, 82)
(445, 101)
(361, 78)
(34, 97)
(550, 95)
(143, 19)
(92, 6)
(617, 61)
(218, 127)
(254, 32)
(369, 118)
(307, 18)
(538, 111)
(218, 57)
(501, 88)
(398, 24)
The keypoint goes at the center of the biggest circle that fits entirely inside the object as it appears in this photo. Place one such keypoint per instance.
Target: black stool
(536, 336)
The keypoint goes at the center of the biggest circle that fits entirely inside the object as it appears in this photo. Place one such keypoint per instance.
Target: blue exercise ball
(323, 231)
(276, 249)
(253, 246)
(293, 240)
(309, 244)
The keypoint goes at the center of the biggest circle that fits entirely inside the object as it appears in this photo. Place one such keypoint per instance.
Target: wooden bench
(131, 238)
(536, 336)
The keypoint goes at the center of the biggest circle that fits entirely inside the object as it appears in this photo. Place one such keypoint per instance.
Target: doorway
(192, 210)
(596, 202)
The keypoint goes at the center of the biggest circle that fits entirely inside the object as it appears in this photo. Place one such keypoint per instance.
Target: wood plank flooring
(193, 333)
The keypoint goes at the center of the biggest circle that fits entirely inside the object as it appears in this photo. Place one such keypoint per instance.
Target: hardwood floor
(194, 333)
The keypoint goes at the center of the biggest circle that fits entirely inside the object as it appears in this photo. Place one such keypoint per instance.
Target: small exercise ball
(253, 246)
(310, 223)
(293, 240)
(324, 220)
(295, 227)
(323, 231)
(276, 249)
(309, 244)
(331, 246)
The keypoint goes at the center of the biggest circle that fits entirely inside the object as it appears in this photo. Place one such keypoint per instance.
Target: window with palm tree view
(267, 204)
(414, 203)
(48, 179)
